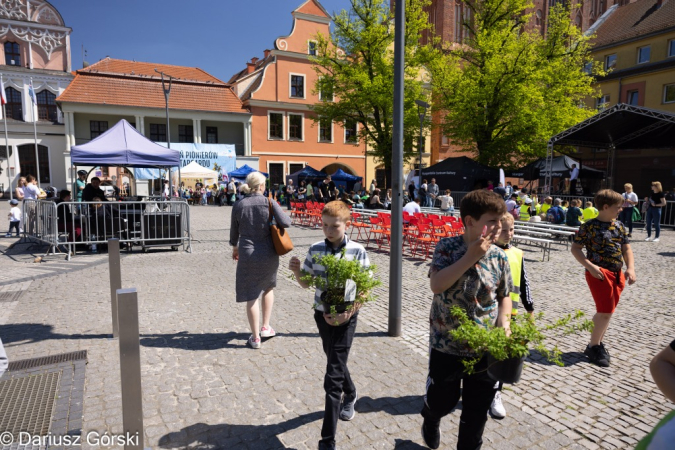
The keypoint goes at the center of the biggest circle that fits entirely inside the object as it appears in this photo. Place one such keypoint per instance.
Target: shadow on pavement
(669, 254)
(394, 406)
(401, 444)
(35, 332)
(568, 358)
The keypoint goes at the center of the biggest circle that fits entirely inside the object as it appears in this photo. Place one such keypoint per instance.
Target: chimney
(267, 53)
(250, 67)
(254, 60)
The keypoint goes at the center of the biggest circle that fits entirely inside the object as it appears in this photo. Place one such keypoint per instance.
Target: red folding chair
(358, 225)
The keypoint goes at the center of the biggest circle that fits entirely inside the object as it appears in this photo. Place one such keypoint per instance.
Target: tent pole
(548, 169)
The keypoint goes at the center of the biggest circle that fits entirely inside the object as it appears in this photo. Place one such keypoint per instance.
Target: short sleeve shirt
(476, 291)
(603, 241)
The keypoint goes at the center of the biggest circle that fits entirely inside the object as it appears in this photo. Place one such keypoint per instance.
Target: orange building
(279, 90)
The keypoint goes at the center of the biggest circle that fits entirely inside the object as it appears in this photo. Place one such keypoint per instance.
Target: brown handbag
(280, 238)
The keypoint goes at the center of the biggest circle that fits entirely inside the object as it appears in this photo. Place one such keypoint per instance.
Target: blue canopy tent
(308, 173)
(344, 180)
(123, 145)
(242, 172)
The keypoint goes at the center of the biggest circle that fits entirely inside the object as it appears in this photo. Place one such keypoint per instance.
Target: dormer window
(12, 54)
(311, 48)
(297, 86)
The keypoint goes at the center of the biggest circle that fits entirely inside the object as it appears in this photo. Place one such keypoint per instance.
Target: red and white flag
(3, 98)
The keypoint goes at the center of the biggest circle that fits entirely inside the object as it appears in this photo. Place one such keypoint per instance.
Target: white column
(69, 137)
(30, 55)
(196, 129)
(248, 143)
(69, 61)
(140, 124)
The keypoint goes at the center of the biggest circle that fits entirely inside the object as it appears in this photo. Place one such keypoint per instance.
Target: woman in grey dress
(252, 248)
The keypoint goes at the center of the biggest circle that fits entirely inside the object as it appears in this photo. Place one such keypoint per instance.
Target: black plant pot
(339, 307)
(507, 371)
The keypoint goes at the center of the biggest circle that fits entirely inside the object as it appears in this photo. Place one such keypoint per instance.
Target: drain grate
(45, 360)
(11, 296)
(28, 403)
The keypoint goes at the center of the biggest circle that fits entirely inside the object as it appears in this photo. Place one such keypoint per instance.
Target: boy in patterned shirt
(606, 242)
(469, 272)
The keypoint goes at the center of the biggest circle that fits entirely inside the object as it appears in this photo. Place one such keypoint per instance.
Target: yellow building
(636, 43)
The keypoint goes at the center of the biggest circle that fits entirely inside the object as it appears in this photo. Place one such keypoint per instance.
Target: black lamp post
(167, 92)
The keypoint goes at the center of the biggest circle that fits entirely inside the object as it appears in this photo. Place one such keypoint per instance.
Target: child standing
(469, 272)
(14, 217)
(606, 243)
(521, 291)
(337, 340)
(574, 214)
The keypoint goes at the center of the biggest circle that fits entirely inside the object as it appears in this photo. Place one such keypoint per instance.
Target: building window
(14, 105)
(669, 93)
(671, 48)
(297, 86)
(610, 61)
(186, 133)
(47, 106)
(462, 20)
(211, 135)
(158, 132)
(325, 131)
(632, 98)
(311, 48)
(326, 93)
(292, 168)
(276, 171)
(28, 163)
(602, 102)
(295, 127)
(537, 18)
(12, 54)
(276, 125)
(351, 136)
(644, 54)
(97, 128)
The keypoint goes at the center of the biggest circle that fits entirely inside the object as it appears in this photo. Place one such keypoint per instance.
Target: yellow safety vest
(525, 212)
(515, 257)
(545, 207)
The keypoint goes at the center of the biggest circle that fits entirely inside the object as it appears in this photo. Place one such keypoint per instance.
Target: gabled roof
(145, 69)
(313, 8)
(109, 84)
(634, 20)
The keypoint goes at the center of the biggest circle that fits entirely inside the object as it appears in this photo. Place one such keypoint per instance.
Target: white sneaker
(267, 332)
(648, 239)
(656, 240)
(254, 343)
(497, 407)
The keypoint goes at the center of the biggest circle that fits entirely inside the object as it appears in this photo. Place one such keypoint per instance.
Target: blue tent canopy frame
(243, 171)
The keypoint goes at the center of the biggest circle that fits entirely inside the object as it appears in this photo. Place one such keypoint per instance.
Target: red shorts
(606, 292)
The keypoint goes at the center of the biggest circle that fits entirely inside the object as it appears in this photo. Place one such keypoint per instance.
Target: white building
(35, 45)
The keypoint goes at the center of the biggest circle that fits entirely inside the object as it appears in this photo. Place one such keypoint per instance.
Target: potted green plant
(506, 354)
(346, 286)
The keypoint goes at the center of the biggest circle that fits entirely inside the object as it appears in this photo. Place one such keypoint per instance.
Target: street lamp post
(167, 92)
(422, 110)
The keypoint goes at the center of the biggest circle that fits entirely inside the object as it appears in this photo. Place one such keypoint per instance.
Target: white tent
(194, 171)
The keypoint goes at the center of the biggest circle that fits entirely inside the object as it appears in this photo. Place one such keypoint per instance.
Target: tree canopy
(356, 64)
(506, 90)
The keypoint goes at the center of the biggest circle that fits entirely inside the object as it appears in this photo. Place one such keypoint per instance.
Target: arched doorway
(28, 164)
(332, 168)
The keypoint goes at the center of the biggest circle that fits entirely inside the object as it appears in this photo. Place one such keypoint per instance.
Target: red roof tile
(124, 67)
(634, 20)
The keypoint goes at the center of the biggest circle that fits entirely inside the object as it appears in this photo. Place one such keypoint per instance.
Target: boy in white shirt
(447, 203)
(14, 218)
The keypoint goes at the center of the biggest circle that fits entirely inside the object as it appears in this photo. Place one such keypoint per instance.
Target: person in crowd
(447, 202)
(310, 192)
(630, 200)
(574, 214)
(565, 205)
(522, 195)
(231, 192)
(521, 286)
(422, 192)
(525, 209)
(375, 202)
(555, 213)
(205, 194)
(662, 368)
(257, 261)
(93, 189)
(512, 206)
(65, 218)
(358, 186)
(500, 190)
(365, 198)
(509, 190)
(413, 206)
(432, 193)
(607, 247)
(548, 202)
(589, 212)
(80, 184)
(341, 393)
(490, 186)
(330, 189)
(387, 199)
(574, 178)
(31, 191)
(302, 192)
(20, 188)
(289, 193)
(656, 203)
(346, 199)
(469, 272)
(373, 186)
(14, 217)
(411, 190)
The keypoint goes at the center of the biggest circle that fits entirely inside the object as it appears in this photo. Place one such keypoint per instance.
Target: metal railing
(135, 223)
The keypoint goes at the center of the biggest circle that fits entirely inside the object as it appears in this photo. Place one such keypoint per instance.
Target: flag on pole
(31, 92)
(3, 99)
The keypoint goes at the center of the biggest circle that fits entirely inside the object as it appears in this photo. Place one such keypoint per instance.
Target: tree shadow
(204, 436)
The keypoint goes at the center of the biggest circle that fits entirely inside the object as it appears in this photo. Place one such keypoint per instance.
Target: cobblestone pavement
(202, 388)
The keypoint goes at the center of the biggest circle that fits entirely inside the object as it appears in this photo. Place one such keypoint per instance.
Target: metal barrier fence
(135, 223)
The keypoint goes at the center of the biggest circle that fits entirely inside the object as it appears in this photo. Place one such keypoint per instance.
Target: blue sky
(218, 36)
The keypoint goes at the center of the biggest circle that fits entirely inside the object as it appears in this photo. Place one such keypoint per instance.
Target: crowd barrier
(135, 223)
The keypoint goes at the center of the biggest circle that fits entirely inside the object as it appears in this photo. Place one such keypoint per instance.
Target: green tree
(356, 64)
(507, 90)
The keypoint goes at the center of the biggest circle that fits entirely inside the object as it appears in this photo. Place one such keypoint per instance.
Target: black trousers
(446, 382)
(15, 226)
(337, 341)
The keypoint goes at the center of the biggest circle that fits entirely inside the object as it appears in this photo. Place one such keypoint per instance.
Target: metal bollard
(115, 281)
(130, 368)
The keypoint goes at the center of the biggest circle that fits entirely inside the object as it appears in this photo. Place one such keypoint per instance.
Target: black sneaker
(325, 446)
(596, 356)
(605, 353)
(431, 433)
(347, 411)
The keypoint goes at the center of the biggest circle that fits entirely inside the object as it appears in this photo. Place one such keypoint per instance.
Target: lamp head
(423, 104)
